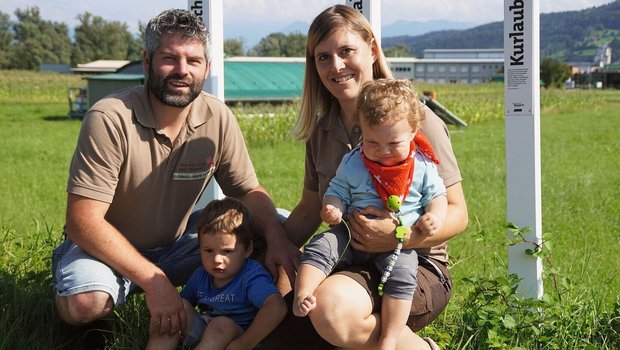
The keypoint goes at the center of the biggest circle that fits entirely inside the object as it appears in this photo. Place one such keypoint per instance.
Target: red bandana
(396, 180)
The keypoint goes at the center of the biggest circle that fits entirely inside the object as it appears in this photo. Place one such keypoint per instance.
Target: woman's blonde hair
(316, 100)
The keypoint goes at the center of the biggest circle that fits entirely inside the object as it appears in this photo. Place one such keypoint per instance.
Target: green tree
(398, 50)
(98, 39)
(136, 45)
(281, 45)
(295, 45)
(6, 38)
(233, 47)
(269, 46)
(38, 41)
(554, 73)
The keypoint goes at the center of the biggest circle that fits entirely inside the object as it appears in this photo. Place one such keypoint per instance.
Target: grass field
(580, 150)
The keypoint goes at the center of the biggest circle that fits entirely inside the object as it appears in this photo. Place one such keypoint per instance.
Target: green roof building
(260, 79)
(246, 79)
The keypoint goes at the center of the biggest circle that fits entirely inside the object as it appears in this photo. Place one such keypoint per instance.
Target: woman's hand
(372, 230)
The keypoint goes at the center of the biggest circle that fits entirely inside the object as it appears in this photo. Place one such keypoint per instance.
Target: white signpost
(212, 13)
(522, 104)
(371, 9)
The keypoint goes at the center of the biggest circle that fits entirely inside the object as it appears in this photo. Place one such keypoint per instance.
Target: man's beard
(159, 87)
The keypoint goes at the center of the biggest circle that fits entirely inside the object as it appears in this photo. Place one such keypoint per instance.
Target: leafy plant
(494, 316)
(580, 311)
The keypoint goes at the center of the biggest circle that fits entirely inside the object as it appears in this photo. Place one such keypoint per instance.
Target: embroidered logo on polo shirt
(195, 171)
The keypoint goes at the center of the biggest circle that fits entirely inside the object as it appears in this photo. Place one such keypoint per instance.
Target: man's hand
(372, 230)
(280, 250)
(283, 253)
(165, 306)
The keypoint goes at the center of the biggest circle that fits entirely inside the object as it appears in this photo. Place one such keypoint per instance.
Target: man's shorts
(74, 271)
(429, 300)
(197, 328)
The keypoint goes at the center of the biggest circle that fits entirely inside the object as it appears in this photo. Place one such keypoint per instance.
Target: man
(144, 155)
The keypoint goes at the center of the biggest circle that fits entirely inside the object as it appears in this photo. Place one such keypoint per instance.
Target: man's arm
(280, 250)
(88, 228)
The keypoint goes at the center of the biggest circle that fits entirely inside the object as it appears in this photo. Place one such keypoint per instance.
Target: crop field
(580, 153)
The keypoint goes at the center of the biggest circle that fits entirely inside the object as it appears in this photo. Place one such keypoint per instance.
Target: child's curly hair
(383, 100)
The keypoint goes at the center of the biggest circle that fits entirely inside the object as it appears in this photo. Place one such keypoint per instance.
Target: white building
(465, 66)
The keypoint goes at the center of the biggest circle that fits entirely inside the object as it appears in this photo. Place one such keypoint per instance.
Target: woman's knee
(342, 307)
(83, 308)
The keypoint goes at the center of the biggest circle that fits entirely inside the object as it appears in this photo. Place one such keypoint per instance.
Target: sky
(252, 16)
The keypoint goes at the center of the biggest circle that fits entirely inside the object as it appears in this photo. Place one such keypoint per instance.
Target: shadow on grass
(28, 319)
(60, 118)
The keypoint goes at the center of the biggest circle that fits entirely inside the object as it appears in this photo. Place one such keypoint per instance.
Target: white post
(212, 13)
(522, 97)
(371, 9)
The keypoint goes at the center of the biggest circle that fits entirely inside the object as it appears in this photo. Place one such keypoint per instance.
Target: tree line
(31, 41)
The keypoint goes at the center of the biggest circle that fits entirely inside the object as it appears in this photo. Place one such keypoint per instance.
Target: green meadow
(580, 153)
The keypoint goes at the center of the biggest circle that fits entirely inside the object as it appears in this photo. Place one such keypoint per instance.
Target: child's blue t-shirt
(240, 299)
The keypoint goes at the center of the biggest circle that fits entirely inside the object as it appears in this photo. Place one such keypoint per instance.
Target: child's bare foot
(303, 305)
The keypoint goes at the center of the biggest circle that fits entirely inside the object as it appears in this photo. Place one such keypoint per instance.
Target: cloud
(284, 11)
(277, 11)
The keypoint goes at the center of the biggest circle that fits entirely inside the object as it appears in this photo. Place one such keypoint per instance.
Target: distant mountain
(399, 28)
(296, 27)
(566, 36)
(253, 32)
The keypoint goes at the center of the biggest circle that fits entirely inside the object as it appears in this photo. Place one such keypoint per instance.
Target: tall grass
(26, 87)
(580, 151)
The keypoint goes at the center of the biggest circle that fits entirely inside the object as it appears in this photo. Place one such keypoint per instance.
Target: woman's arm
(377, 234)
(304, 219)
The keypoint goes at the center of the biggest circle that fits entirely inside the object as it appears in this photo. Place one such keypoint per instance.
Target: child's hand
(429, 224)
(303, 304)
(331, 215)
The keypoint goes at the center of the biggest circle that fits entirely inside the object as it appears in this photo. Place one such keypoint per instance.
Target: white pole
(522, 97)
(371, 9)
(212, 13)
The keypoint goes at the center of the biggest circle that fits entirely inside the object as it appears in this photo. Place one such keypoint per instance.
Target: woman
(341, 55)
